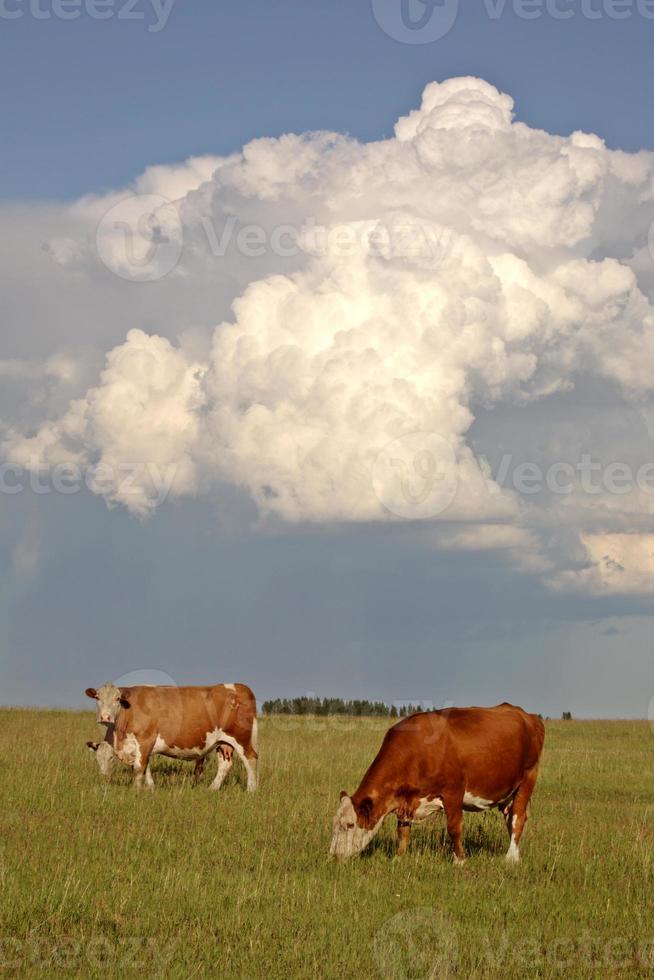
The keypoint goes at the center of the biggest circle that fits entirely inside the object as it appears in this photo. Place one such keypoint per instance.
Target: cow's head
(104, 754)
(109, 700)
(353, 827)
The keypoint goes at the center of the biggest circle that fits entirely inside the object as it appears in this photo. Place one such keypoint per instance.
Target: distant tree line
(337, 706)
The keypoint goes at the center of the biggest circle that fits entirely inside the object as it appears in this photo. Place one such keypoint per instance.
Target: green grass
(99, 880)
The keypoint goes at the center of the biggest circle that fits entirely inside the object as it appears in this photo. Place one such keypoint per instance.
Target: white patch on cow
(513, 853)
(476, 802)
(218, 735)
(211, 740)
(427, 807)
(129, 750)
(173, 752)
(230, 687)
(224, 765)
(159, 747)
(514, 821)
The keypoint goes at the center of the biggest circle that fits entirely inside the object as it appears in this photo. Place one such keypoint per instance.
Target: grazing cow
(180, 722)
(105, 755)
(453, 760)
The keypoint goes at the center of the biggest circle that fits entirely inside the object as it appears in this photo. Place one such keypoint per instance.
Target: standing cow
(453, 760)
(179, 722)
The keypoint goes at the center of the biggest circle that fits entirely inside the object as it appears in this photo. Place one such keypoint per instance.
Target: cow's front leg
(516, 818)
(403, 834)
(453, 806)
(142, 765)
(199, 768)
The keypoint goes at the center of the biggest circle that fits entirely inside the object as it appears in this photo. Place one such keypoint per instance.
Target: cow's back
(480, 750)
(491, 737)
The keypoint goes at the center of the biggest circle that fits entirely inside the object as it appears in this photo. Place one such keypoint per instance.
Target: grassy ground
(99, 880)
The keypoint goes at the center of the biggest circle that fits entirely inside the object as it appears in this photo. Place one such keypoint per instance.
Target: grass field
(99, 880)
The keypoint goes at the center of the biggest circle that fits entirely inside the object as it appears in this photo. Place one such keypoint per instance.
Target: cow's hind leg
(248, 757)
(225, 759)
(516, 818)
(453, 806)
(250, 763)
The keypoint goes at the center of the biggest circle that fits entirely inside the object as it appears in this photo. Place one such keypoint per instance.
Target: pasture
(97, 880)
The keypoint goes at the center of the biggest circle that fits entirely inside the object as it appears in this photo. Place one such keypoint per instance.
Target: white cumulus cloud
(413, 285)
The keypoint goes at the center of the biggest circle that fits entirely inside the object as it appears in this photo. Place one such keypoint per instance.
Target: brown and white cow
(452, 760)
(179, 722)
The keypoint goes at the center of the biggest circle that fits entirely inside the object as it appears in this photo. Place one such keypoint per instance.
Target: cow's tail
(254, 737)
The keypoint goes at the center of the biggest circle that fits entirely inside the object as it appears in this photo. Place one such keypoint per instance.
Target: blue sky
(207, 588)
(92, 102)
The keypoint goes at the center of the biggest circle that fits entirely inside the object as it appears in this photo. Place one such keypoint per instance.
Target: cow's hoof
(512, 858)
(458, 860)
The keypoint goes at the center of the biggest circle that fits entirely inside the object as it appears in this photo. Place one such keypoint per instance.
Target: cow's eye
(349, 826)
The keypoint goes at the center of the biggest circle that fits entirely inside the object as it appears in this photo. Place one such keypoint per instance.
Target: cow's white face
(105, 756)
(107, 698)
(348, 837)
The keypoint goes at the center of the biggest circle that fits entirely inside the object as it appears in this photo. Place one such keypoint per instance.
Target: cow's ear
(91, 693)
(365, 809)
(93, 746)
(343, 794)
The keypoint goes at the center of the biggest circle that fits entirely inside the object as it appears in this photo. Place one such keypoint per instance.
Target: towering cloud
(454, 324)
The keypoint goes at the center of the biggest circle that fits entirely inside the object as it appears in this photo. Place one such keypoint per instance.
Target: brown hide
(184, 716)
(482, 751)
